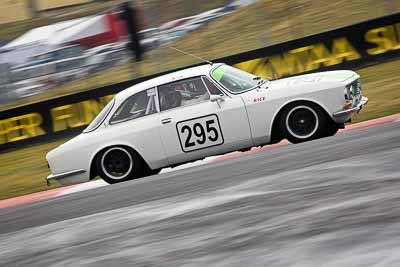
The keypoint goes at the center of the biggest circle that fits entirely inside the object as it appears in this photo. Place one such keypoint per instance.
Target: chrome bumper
(348, 112)
(63, 175)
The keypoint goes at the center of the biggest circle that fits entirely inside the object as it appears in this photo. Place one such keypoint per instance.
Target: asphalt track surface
(329, 202)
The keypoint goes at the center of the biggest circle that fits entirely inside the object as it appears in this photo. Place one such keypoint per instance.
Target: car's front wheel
(304, 121)
(119, 164)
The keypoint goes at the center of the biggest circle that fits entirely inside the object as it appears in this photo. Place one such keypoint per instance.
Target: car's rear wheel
(119, 164)
(303, 121)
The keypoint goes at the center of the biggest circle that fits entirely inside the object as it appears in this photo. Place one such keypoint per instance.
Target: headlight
(348, 92)
(352, 91)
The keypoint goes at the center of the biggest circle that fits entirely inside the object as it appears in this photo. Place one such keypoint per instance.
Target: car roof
(167, 78)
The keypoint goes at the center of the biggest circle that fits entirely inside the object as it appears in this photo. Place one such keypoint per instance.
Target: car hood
(329, 77)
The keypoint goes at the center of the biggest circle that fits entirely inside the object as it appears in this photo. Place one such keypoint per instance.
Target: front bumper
(344, 115)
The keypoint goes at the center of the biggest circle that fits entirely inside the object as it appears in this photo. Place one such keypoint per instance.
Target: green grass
(381, 84)
(23, 171)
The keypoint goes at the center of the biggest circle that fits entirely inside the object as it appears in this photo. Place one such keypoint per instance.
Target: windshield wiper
(260, 80)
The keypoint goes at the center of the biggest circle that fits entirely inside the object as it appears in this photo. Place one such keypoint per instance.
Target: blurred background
(53, 48)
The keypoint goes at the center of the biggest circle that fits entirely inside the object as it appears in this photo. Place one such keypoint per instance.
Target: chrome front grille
(356, 88)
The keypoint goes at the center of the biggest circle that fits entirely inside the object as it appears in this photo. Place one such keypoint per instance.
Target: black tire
(304, 121)
(118, 164)
(332, 129)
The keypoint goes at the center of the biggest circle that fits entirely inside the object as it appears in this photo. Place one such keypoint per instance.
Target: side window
(182, 93)
(136, 106)
(212, 88)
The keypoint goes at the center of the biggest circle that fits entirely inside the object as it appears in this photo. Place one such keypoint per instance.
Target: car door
(192, 126)
(136, 123)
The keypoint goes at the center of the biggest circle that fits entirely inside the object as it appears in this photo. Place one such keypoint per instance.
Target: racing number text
(199, 133)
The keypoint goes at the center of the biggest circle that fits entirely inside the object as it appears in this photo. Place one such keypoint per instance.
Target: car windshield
(236, 80)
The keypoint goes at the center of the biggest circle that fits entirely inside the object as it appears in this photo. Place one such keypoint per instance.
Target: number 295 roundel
(199, 133)
(203, 111)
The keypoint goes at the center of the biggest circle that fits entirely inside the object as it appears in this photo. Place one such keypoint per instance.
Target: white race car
(203, 111)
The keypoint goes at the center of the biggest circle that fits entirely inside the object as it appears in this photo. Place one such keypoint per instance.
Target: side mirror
(216, 98)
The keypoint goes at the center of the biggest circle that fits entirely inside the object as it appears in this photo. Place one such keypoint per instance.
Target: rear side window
(100, 117)
(136, 106)
(182, 93)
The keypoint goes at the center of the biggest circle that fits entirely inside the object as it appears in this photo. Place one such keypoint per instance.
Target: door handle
(167, 120)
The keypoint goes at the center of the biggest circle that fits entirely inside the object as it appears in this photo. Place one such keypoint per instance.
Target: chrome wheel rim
(302, 122)
(117, 163)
